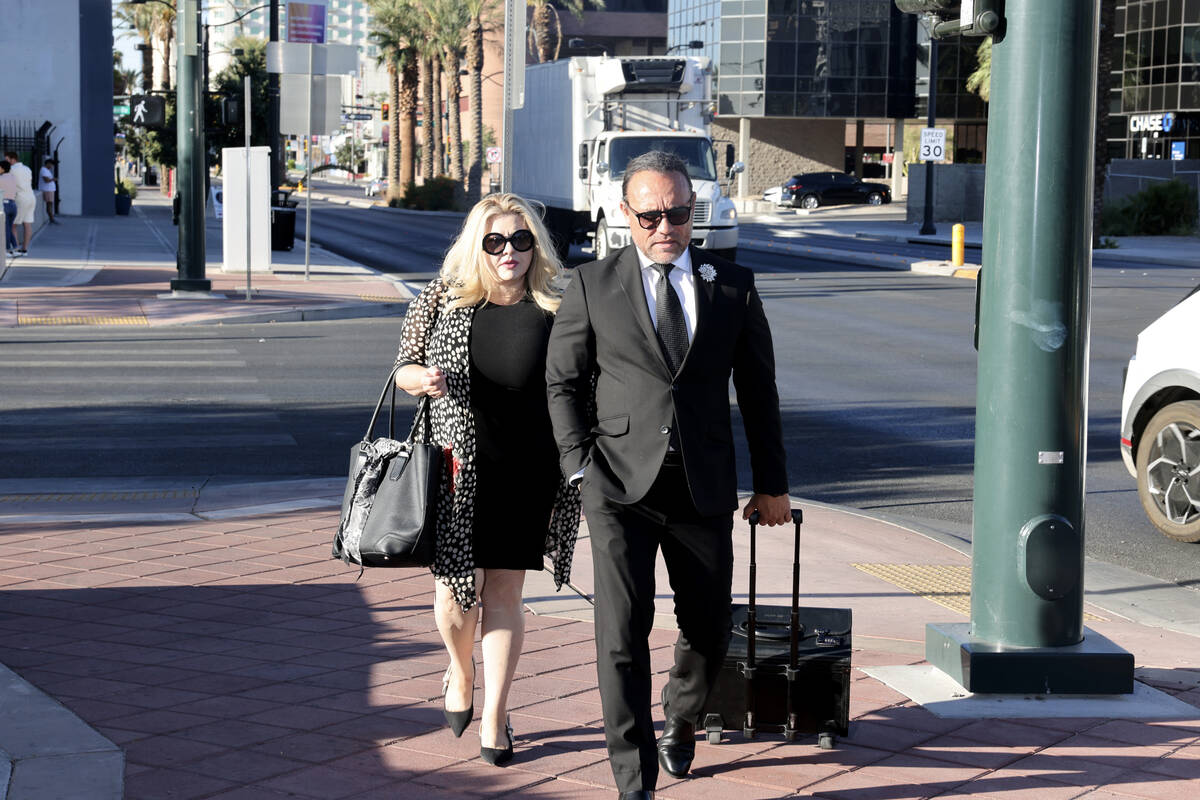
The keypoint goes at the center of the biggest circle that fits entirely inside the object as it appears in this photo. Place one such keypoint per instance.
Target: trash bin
(280, 198)
(283, 228)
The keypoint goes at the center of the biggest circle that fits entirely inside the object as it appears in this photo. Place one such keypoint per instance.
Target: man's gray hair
(655, 161)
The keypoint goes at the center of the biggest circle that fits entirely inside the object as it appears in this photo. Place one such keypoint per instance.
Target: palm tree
(435, 122)
(393, 30)
(141, 20)
(426, 109)
(163, 22)
(449, 20)
(545, 30)
(980, 81)
(476, 9)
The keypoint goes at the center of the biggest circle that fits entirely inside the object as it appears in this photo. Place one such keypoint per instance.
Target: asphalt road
(876, 370)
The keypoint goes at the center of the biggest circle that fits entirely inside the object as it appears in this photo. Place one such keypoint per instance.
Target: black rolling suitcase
(787, 669)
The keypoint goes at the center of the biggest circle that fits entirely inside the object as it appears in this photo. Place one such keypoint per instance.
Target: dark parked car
(812, 189)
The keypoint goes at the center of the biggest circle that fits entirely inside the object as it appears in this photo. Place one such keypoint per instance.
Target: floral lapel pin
(708, 272)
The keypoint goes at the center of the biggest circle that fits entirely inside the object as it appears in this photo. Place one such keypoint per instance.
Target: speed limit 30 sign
(933, 144)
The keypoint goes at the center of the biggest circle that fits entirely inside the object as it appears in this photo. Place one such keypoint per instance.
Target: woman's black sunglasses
(494, 243)
(649, 220)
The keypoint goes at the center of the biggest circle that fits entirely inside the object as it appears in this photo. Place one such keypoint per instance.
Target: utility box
(241, 222)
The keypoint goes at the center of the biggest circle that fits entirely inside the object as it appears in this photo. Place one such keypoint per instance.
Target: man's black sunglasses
(649, 220)
(494, 243)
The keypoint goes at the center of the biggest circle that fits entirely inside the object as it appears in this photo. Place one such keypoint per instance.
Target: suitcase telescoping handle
(748, 725)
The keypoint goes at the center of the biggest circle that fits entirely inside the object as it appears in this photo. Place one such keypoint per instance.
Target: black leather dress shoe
(677, 746)
(640, 794)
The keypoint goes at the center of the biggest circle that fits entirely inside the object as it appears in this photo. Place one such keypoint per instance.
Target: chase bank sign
(1152, 123)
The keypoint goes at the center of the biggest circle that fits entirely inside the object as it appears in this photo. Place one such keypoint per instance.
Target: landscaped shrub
(1162, 209)
(437, 194)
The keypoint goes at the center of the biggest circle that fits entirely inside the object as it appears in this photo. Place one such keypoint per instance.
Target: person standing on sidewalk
(8, 192)
(47, 186)
(474, 341)
(26, 202)
(657, 329)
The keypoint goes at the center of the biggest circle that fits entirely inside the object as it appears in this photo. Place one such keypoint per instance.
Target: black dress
(516, 466)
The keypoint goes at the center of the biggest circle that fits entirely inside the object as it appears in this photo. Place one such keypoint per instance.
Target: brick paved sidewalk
(234, 659)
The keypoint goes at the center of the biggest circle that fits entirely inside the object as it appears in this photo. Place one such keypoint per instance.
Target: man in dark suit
(651, 335)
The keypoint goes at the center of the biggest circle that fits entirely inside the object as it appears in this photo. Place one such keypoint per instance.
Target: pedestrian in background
(47, 186)
(474, 342)
(8, 193)
(26, 202)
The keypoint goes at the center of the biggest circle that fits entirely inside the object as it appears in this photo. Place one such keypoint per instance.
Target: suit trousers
(698, 552)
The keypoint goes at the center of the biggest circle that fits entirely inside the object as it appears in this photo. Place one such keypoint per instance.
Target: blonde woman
(474, 342)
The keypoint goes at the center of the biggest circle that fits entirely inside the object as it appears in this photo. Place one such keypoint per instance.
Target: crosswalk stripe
(98, 363)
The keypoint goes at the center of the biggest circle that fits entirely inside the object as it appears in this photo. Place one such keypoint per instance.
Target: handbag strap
(422, 414)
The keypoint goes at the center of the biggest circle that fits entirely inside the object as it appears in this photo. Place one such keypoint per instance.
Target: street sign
(493, 155)
(933, 144)
(358, 116)
(120, 110)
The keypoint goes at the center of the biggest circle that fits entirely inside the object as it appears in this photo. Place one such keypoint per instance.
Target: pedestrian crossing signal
(231, 110)
(148, 111)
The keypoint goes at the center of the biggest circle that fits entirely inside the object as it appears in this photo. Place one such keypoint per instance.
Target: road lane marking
(89, 497)
(98, 363)
(24, 321)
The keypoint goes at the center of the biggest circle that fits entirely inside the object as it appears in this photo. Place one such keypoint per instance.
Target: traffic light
(386, 108)
(957, 17)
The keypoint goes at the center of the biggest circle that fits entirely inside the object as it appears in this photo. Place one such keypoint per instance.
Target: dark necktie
(668, 312)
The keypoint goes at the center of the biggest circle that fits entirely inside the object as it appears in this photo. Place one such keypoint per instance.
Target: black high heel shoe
(458, 720)
(496, 756)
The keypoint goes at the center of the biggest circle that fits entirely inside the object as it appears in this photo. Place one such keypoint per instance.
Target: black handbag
(389, 510)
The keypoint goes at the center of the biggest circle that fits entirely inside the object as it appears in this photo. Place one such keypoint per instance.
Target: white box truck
(584, 118)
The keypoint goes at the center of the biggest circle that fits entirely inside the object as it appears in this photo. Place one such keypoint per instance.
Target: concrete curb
(898, 263)
(316, 314)
(46, 751)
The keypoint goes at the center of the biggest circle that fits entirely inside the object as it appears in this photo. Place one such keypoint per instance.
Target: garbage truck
(582, 121)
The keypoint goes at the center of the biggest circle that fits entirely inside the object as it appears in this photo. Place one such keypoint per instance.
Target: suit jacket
(604, 333)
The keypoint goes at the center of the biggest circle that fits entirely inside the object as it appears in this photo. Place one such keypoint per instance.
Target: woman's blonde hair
(465, 270)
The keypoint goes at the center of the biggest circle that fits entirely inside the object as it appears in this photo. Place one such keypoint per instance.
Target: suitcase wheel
(826, 740)
(713, 725)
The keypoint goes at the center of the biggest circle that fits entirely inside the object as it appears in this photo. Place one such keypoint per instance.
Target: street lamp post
(191, 169)
(278, 173)
(928, 228)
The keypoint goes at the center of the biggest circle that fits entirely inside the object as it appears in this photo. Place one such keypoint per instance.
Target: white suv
(1160, 420)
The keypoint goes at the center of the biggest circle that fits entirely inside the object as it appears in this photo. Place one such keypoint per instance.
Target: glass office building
(1155, 99)
(804, 58)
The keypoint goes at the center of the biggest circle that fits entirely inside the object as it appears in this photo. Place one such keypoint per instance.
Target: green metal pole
(1026, 632)
(189, 122)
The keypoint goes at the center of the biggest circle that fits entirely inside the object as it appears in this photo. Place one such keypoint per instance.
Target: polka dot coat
(434, 335)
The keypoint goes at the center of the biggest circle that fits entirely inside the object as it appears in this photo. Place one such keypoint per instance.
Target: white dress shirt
(685, 286)
(681, 278)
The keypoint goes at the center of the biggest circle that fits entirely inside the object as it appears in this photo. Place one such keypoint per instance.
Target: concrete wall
(54, 72)
(820, 142)
(957, 192)
(1128, 176)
